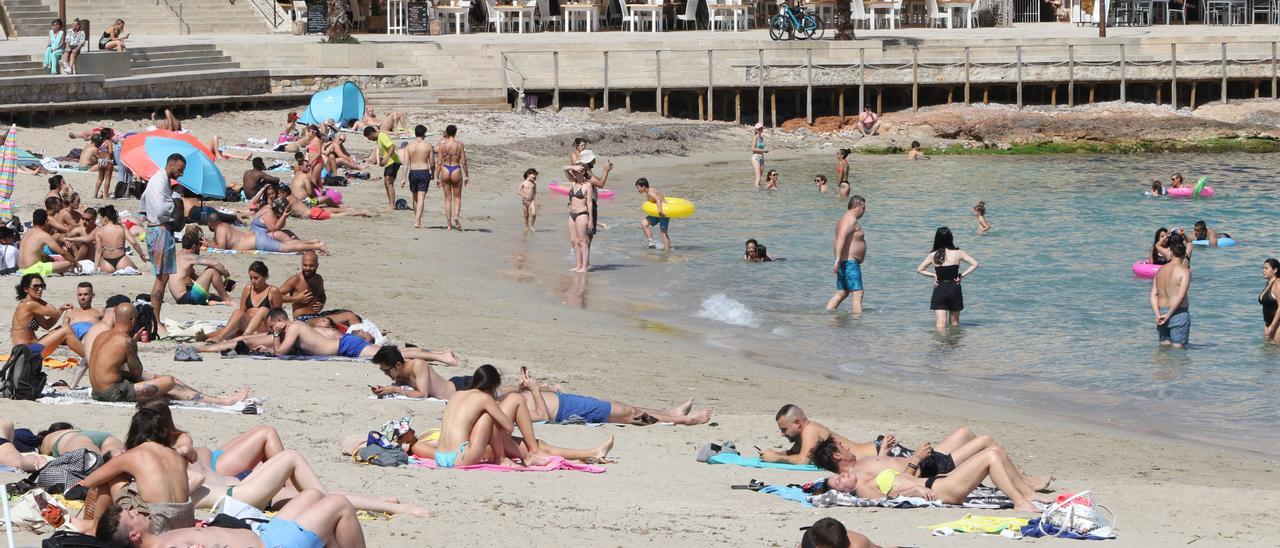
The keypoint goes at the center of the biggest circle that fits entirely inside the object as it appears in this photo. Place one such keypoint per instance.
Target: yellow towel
(54, 363)
(981, 524)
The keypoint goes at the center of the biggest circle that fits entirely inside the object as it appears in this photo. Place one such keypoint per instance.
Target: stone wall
(298, 84)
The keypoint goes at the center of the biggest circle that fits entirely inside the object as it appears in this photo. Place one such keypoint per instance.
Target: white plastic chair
(935, 14)
(544, 9)
(858, 12)
(628, 18)
(690, 14)
(977, 5)
(491, 15)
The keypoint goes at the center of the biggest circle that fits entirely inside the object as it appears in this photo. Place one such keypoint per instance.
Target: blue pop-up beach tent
(343, 104)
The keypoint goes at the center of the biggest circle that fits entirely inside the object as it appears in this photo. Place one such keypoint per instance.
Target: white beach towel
(404, 397)
(82, 396)
(370, 328)
(191, 327)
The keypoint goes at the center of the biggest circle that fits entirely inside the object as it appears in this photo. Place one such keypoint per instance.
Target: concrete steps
(146, 17)
(20, 65)
(437, 98)
(180, 58)
(30, 17)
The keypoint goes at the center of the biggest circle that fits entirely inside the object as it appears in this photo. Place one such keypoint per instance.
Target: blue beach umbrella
(343, 104)
(146, 153)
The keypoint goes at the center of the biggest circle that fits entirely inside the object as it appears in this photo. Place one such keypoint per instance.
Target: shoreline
(435, 288)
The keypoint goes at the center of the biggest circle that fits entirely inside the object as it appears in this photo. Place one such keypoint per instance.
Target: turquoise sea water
(1054, 318)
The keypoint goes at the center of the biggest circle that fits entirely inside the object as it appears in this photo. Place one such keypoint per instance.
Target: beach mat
(220, 251)
(987, 498)
(755, 462)
(554, 464)
(82, 396)
(299, 358)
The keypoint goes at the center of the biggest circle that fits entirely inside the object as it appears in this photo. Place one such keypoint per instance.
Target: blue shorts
(585, 408)
(160, 244)
(351, 346)
(1177, 329)
(283, 533)
(849, 276)
(662, 222)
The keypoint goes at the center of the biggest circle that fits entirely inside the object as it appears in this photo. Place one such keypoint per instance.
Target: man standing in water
(661, 220)
(454, 174)
(421, 162)
(1169, 299)
(161, 206)
(386, 156)
(850, 250)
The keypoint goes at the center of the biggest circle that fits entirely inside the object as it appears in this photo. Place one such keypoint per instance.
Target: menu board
(317, 16)
(418, 17)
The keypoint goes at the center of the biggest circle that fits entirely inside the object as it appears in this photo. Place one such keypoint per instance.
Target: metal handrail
(275, 18)
(182, 23)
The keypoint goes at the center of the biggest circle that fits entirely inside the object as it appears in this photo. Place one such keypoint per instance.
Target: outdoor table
(653, 9)
(587, 9)
(519, 11)
(889, 5)
(733, 10)
(965, 8)
(458, 12)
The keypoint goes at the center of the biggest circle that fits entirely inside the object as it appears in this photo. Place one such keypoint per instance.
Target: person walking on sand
(662, 220)
(850, 251)
(421, 158)
(161, 209)
(758, 151)
(1169, 297)
(454, 174)
(528, 191)
(947, 301)
(385, 156)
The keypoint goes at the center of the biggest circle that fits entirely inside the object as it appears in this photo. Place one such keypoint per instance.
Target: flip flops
(186, 353)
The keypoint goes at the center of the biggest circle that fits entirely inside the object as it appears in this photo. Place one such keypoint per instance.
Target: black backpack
(68, 539)
(145, 316)
(23, 375)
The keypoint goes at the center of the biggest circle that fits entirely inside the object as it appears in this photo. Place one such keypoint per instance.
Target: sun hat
(586, 157)
(759, 125)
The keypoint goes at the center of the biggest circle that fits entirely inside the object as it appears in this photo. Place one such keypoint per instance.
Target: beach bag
(1078, 514)
(381, 456)
(37, 512)
(235, 508)
(71, 539)
(67, 470)
(22, 377)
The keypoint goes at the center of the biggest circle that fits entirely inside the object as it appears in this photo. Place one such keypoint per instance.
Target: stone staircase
(30, 17)
(182, 58)
(437, 98)
(20, 65)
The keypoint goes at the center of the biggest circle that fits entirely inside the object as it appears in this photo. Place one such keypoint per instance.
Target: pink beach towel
(556, 463)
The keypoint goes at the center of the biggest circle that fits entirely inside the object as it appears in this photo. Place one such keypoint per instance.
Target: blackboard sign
(417, 17)
(317, 18)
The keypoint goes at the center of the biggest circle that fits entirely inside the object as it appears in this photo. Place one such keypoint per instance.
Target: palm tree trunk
(338, 27)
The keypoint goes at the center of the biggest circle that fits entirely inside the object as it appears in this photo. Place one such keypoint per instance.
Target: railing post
(808, 87)
(966, 75)
(862, 79)
(760, 91)
(657, 56)
(1224, 73)
(1173, 70)
(915, 78)
(710, 87)
(555, 75)
(506, 78)
(1273, 70)
(606, 81)
(1123, 80)
(1019, 51)
(1071, 76)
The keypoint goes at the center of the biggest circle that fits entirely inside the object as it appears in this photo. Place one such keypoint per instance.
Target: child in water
(916, 152)
(1157, 189)
(980, 211)
(528, 191)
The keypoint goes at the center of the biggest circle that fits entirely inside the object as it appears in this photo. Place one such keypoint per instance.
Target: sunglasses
(37, 287)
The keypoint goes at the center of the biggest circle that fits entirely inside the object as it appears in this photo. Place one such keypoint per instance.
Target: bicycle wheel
(810, 26)
(779, 28)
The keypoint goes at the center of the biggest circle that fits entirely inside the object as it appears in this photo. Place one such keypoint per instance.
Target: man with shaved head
(305, 292)
(116, 375)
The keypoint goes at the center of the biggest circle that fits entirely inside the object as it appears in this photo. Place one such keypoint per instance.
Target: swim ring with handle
(674, 208)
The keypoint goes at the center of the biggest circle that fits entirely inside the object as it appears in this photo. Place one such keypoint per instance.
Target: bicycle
(805, 24)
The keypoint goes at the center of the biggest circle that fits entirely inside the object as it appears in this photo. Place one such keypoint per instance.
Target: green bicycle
(805, 24)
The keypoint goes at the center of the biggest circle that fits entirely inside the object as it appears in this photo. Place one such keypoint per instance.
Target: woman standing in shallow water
(948, 300)
(842, 172)
(1268, 299)
(758, 151)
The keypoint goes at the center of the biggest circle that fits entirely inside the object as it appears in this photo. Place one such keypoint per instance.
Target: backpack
(145, 317)
(23, 376)
(66, 470)
(68, 539)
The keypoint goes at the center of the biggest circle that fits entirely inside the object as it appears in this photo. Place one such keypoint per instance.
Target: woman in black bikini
(581, 216)
(1159, 253)
(842, 172)
(110, 239)
(1268, 299)
(256, 301)
(33, 313)
(947, 301)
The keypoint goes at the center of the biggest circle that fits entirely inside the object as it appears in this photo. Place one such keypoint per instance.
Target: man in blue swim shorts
(295, 337)
(568, 408)
(1169, 299)
(310, 520)
(82, 316)
(850, 251)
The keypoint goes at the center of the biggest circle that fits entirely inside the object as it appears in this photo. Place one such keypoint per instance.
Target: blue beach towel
(789, 492)
(755, 462)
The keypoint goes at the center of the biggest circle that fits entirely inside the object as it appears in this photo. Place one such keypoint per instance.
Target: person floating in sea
(820, 181)
(756, 252)
(850, 251)
(842, 172)
(661, 219)
(528, 191)
(947, 300)
(1177, 181)
(771, 180)
(1157, 189)
(758, 151)
(916, 152)
(1201, 231)
(980, 211)
(453, 175)
(421, 158)
(1169, 296)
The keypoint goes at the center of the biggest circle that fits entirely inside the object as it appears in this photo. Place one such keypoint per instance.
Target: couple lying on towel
(884, 469)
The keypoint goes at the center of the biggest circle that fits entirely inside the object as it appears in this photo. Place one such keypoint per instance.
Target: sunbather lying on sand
(228, 237)
(310, 520)
(561, 406)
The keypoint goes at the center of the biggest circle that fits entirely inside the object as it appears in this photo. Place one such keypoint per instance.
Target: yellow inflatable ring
(674, 208)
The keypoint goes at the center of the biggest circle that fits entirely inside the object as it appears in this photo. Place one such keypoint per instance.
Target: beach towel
(404, 397)
(221, 251)
(986, 498)
(82, 396)
(789, 492)
(190, 328)
(755, 462)
(300, 358)
(1033, 529)
(52, 362)
(977, 524)
(553, 464)
(370, 328)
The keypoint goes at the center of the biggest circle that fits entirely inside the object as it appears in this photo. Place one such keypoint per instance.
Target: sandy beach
(485, 295)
